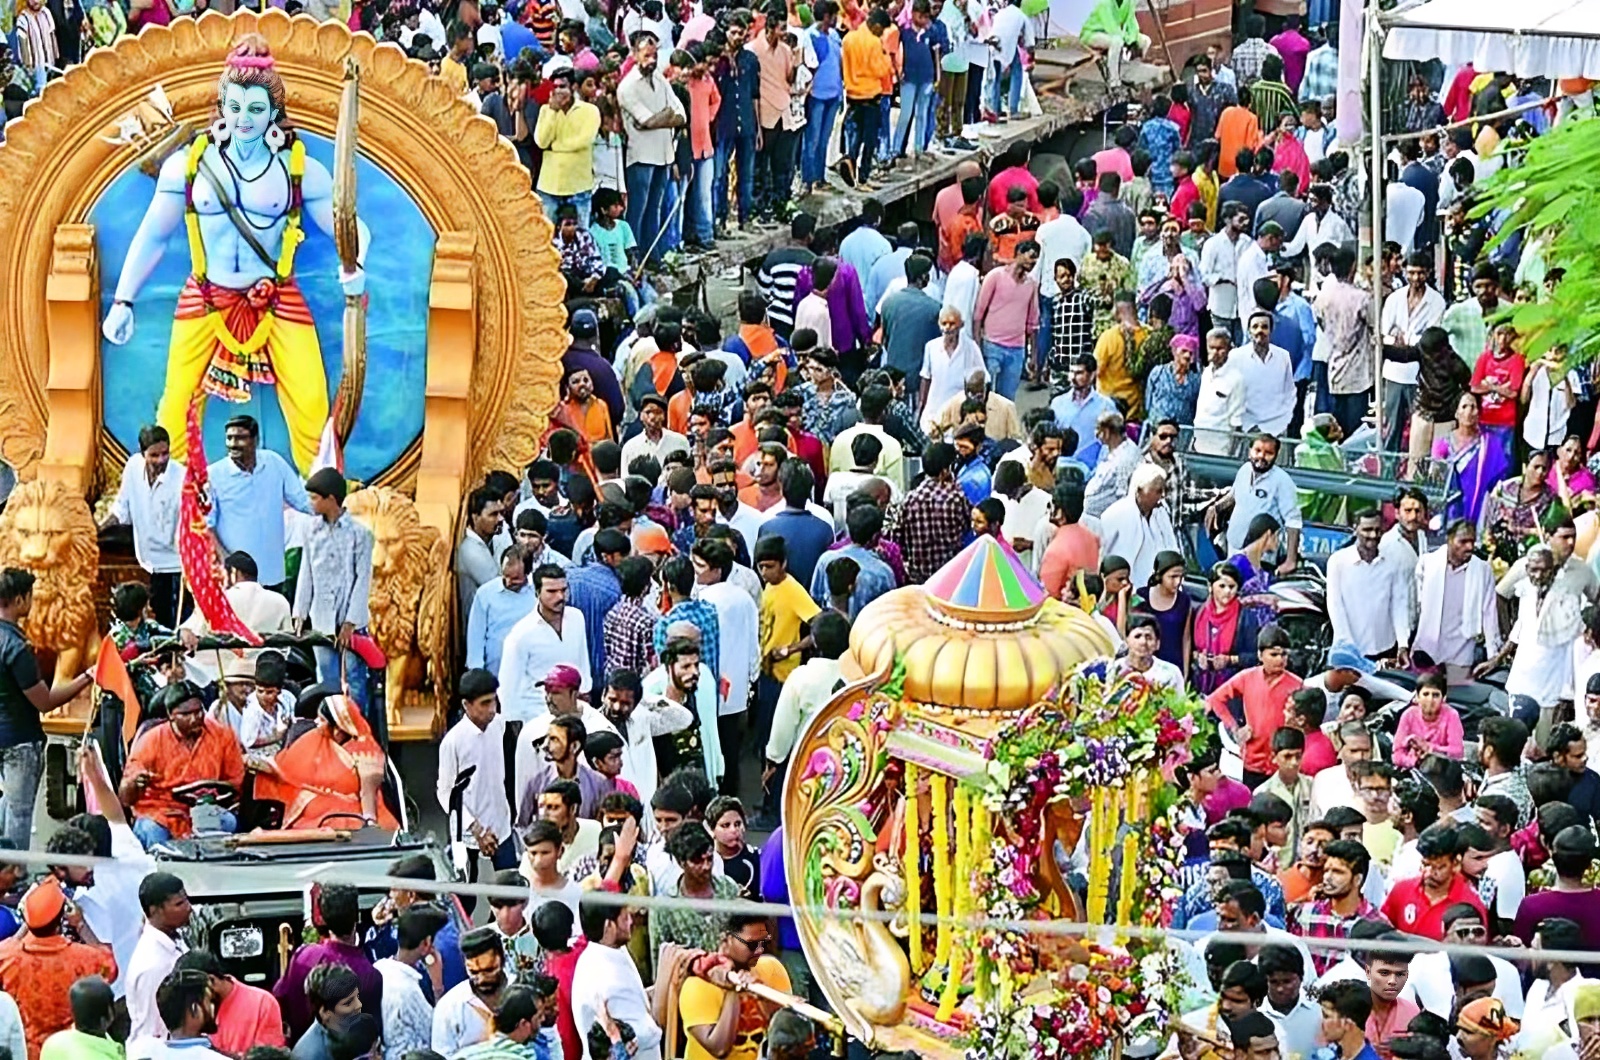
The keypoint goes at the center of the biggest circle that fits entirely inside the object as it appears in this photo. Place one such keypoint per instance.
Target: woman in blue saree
(1477, 464)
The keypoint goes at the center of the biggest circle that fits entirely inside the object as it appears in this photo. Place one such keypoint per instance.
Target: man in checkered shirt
(1248, 53)
(1321, 79)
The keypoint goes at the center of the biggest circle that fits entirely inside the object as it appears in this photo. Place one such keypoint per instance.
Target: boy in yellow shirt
(786, 609)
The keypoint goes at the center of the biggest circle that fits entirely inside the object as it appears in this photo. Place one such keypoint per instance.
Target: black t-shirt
(744, 868)
(19, 670)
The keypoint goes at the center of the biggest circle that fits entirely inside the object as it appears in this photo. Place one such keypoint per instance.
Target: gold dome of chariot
(981, 635)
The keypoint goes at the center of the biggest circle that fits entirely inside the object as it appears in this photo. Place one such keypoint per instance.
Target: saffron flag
(111, 675)
(196, 554)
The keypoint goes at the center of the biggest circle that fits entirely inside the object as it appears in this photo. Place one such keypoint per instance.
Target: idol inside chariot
(242, 190)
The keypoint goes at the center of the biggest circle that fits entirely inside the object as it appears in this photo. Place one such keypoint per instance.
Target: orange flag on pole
(111, 675)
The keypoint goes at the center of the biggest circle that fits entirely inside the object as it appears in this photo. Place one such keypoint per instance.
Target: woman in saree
(1572, 482)
(1476, 463)
(1515, 510)
(333, 773)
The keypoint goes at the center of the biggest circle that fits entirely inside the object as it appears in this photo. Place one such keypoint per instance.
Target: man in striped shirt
(780, 270)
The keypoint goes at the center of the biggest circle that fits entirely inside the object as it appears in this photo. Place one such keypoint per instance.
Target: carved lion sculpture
(409, 600)
(48, 529)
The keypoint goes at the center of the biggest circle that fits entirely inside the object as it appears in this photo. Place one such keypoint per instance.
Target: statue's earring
(275, 137)
(219, 132)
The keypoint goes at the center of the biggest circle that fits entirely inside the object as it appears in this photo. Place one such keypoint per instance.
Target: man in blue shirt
(805, 535)
(891, 267)
(738, 77)
(875, 577)
(827, 96)
(865, 244)
(595, 589)
(496, 607)
(922, 46)
(1079, 409)
(249, 490)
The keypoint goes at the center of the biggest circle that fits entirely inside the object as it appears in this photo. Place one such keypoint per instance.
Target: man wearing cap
(38, 967)
(584, 327)
(335, 580)
(650, 113)
(1484, 1030)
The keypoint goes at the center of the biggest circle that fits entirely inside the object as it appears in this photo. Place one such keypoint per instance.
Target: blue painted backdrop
(399, 263)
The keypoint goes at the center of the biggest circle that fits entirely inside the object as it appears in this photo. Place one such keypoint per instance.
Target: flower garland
(1102, 1000)
(1113, 742)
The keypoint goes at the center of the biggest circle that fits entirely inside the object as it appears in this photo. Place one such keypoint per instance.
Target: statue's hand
(354, 283)
(118, 325)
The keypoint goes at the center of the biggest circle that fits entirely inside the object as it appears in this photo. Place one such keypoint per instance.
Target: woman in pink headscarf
(1287, 152)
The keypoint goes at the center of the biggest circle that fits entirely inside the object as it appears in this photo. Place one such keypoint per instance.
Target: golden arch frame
(496, 324)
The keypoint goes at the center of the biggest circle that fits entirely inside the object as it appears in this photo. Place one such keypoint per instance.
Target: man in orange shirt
(1072, 548)
(187, 748)
(1012, 227)
(702, 385)
(39, 966)
(757, 399)
(1236, 127)
(967, 221)
(865, 66)
(588, 414)
(765, 493)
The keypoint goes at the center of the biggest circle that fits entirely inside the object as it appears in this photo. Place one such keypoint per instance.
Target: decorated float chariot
(989, 737)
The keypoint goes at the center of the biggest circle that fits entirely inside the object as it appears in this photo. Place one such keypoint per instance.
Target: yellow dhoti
(224, 340)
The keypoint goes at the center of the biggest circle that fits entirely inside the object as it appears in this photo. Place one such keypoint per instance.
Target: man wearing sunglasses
(720, 1018)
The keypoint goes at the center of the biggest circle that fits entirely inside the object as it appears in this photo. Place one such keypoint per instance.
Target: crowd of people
(652, 609)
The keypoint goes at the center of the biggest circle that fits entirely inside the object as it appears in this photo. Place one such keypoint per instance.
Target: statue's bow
(347, 240)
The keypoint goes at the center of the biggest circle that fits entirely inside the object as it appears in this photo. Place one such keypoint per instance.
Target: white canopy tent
(1529, 38)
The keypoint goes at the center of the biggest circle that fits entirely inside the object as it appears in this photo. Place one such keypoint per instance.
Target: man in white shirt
(148, 499)
(1060, 237)
(1406, 541)
(166, 913)
(605, 977)
(258, 607)
(407, 1017)
(1297, 1018)
(1547, 406)
(110, 904)
(805, 691)
(1495, 867)
(482, 825)
(1434, 983)
(739, 654)
(465, 1014)
(550, 635)
(961, 286)
(1138, 527)
(1219, 265)
(476, 561)
(1254, 263)
(1009, 32)
(1219, 410)
(1456, 603)
(654, 439)
(1368, 604)
(1268, 374)
(1322, 224)
(639, 720)
(946, 363)
(1403, 206)
(651, 111)
(1550, 994)
(1407, 313)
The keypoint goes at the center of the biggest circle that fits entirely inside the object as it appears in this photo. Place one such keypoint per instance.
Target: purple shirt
(290, 990)
(1230, 795)
(1294, 48)
(1188, 302)
(846, 305)
(775, 888)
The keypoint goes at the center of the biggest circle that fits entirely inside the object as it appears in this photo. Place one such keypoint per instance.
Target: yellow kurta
(1111, 354)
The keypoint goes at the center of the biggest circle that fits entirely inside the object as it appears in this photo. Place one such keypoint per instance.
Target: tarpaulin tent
(1529, 38)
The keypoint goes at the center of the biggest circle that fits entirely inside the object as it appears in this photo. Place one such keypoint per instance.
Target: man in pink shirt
(774, 144)
(1011, 171)
(1294, 48)
(704, 102)
(1117, 158)
(949, 202)
(1007, 318)
(246, 1015)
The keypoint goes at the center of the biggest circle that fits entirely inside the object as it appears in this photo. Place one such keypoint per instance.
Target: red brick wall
(1190, 26)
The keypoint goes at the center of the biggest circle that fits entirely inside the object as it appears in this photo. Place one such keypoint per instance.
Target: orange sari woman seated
(331, 774)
